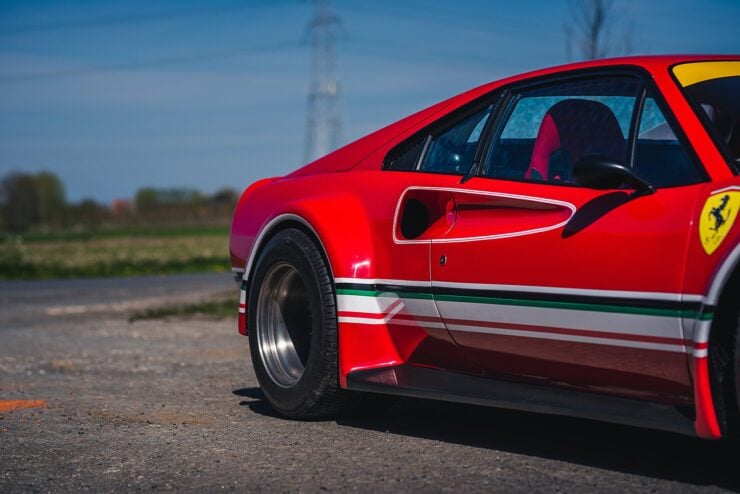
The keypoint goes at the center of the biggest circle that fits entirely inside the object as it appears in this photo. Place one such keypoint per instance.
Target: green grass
(217, 309)
(116, 253)
(108, 233)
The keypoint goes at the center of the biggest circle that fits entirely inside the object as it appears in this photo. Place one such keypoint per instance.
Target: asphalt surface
(174, 405)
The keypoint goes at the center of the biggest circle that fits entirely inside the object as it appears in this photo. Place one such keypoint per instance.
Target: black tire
(292, 278)
(737, 359)
(724, 360)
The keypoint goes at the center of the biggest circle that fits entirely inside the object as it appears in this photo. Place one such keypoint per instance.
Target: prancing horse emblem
(716, 213)
(717, 217)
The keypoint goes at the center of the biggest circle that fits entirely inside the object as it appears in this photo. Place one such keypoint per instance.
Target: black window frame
(501, 99)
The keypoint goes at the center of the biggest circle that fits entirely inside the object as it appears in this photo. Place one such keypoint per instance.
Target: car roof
(651, 63)
(347, 158)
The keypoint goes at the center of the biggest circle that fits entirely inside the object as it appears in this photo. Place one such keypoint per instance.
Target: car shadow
(590, 443)
(257, 403)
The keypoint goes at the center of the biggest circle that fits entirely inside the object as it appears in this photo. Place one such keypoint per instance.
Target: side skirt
(420, 382)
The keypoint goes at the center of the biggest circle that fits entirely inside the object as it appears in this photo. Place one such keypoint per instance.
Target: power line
(151, 63)
(132, 18)
(323, 126)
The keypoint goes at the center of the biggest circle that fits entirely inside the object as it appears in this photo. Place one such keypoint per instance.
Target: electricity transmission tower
(323, 128)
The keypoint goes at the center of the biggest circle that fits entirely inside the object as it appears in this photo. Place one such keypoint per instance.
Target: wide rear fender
(322, 205)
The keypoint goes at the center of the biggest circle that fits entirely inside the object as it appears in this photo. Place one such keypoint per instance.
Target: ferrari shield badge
(717, 217)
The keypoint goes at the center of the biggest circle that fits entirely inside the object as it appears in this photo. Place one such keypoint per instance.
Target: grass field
(219, 307)
(115, 253)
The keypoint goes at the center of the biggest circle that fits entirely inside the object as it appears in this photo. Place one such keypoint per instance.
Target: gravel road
(174, 405)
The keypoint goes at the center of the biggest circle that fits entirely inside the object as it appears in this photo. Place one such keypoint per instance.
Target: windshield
(713, 89)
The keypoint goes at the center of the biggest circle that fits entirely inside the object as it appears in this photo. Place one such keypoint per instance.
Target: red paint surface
(706, 420)
(649, 244)
(242, 320)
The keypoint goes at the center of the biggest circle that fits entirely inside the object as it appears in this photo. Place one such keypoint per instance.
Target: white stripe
(380, 305)
(383, 281)
(400, 322)
(663, 296)
(242, 310)
(701, 353)
(723, 275)
(726, 189)
(573, 338)
(623, 324)
(701, 331)
(636, 324)
(362, 320)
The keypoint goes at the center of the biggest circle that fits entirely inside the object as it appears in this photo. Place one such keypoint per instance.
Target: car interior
(562, 124)
(574, 128)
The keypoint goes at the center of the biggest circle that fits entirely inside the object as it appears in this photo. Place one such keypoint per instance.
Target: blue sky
(232, 107)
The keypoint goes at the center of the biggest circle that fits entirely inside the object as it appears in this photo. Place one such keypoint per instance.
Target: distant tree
(88, 213)
(225, 196)
(28, 200)
(50, 198)
(598, 29)
(179, 196)
(146, 200)
(223, 202)
(19, 202)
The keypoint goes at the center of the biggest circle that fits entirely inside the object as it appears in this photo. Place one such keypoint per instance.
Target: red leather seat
(571, 129)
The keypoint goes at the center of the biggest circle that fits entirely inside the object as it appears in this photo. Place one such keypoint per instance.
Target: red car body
(517, 293)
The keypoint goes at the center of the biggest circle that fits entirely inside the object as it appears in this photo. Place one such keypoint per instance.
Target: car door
(541, 280)
(434, 158)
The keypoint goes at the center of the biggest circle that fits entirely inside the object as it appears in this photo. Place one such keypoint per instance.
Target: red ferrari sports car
(562, 241)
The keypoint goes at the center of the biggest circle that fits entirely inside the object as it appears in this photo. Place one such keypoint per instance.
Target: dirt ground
(92, 402)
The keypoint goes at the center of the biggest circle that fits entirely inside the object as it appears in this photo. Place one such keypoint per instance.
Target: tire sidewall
(737, 360)
(294, 248)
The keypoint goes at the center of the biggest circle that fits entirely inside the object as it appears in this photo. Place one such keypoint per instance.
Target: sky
(117, 95)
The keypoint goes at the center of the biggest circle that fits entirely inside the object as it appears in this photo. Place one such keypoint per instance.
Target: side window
(659, 157)
(551, 128)
(453, 150)
(405, 156)
(449, 150)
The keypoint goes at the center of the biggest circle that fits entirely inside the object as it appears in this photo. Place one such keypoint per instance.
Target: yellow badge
(717, 217)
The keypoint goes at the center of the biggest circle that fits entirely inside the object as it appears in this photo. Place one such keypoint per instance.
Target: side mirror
(597, 172)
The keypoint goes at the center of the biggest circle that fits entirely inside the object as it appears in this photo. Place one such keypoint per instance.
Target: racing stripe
(385, 309)
(649, 308)
(624, 323)
(652, 323)
(369, 283)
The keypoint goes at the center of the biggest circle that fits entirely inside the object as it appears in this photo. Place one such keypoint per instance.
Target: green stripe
(375, 293)
(618, 309)
(705, 316)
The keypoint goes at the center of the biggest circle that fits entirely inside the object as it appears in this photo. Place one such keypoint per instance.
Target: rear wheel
(293, 330)
(724, 359)
(737, 359)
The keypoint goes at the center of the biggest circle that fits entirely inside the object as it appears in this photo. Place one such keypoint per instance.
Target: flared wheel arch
(275, 226)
